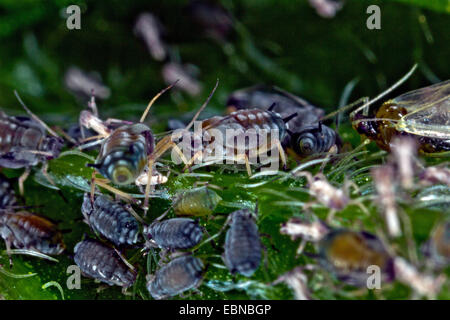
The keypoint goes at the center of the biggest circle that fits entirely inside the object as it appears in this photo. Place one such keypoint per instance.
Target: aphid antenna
(129, 265)
(92, 104)
(144, 115)
(90, 144)
(35, 117)
(272, 106)
(290, 117)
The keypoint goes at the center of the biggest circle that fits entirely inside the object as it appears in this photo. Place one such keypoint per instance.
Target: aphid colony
(414, 122)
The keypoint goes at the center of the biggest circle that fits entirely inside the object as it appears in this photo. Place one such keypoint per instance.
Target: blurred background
(312, 48)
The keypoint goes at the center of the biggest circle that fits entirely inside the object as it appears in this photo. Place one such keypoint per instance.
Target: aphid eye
(122, 175)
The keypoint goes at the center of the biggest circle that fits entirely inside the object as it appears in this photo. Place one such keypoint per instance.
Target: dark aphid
(263, 97)
(24, 230)
(307, 135)
(314, 139)
(110, 219)
(242, 244)
(123, 154)
(179, 275)
(423, 114)
(24, 142)
(173, 234)
(348, 254)
(7, 195)
(438, 247)
(103, 263)
(200, 201)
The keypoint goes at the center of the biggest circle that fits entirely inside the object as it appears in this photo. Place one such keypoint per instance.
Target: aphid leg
(301, 247)
(105, 185)
(8, 252)
(22, 179)
(130, 209)
(227, 222)
(282, 154)
(330, 216)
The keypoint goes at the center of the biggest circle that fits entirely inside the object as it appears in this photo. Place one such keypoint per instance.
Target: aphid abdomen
(25, 230)
(176, 233)
(123, 155)
(179, 275)
(7, 195)
(111, 220)
(101, 262)
(349, 254)
(196, 202)
(242, 244)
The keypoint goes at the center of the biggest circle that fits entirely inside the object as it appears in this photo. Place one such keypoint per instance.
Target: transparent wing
(428, 111)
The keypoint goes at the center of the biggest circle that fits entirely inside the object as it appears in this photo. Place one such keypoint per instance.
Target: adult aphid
(99, 261)
(25, 230)
(177, 276)
(173, 234)
(423, 114)
(307, 135)
(24, 143)
(199, 201)
(110, 219)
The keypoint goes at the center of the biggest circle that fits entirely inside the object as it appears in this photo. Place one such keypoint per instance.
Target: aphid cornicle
(423, 114)
(110, 219)
(349, 254)
(242, 244)
(200, 201)
(307, 135)
(25, 230)
(7, 195)
(179, 275)
(123, 154)
(103, 263)
(173, 234)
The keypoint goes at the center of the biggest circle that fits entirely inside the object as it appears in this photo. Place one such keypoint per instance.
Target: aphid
(307, 135)
(326, 8)
(174, 234)
(179, 275)
(384, 180)
(172, 72)
(236, 131)
(438, 247)
(200, 201)
(123, 154)
(24, 230)
(82, 84)
(149, 28)
(7, 194)
(334, 198)
(242, 243)
(345, 253)
(110, 219)
(435, 175)
(103, 263)
(24, 143)
(297, 281)
(263, 97)
(314, 139)
(423, 114)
